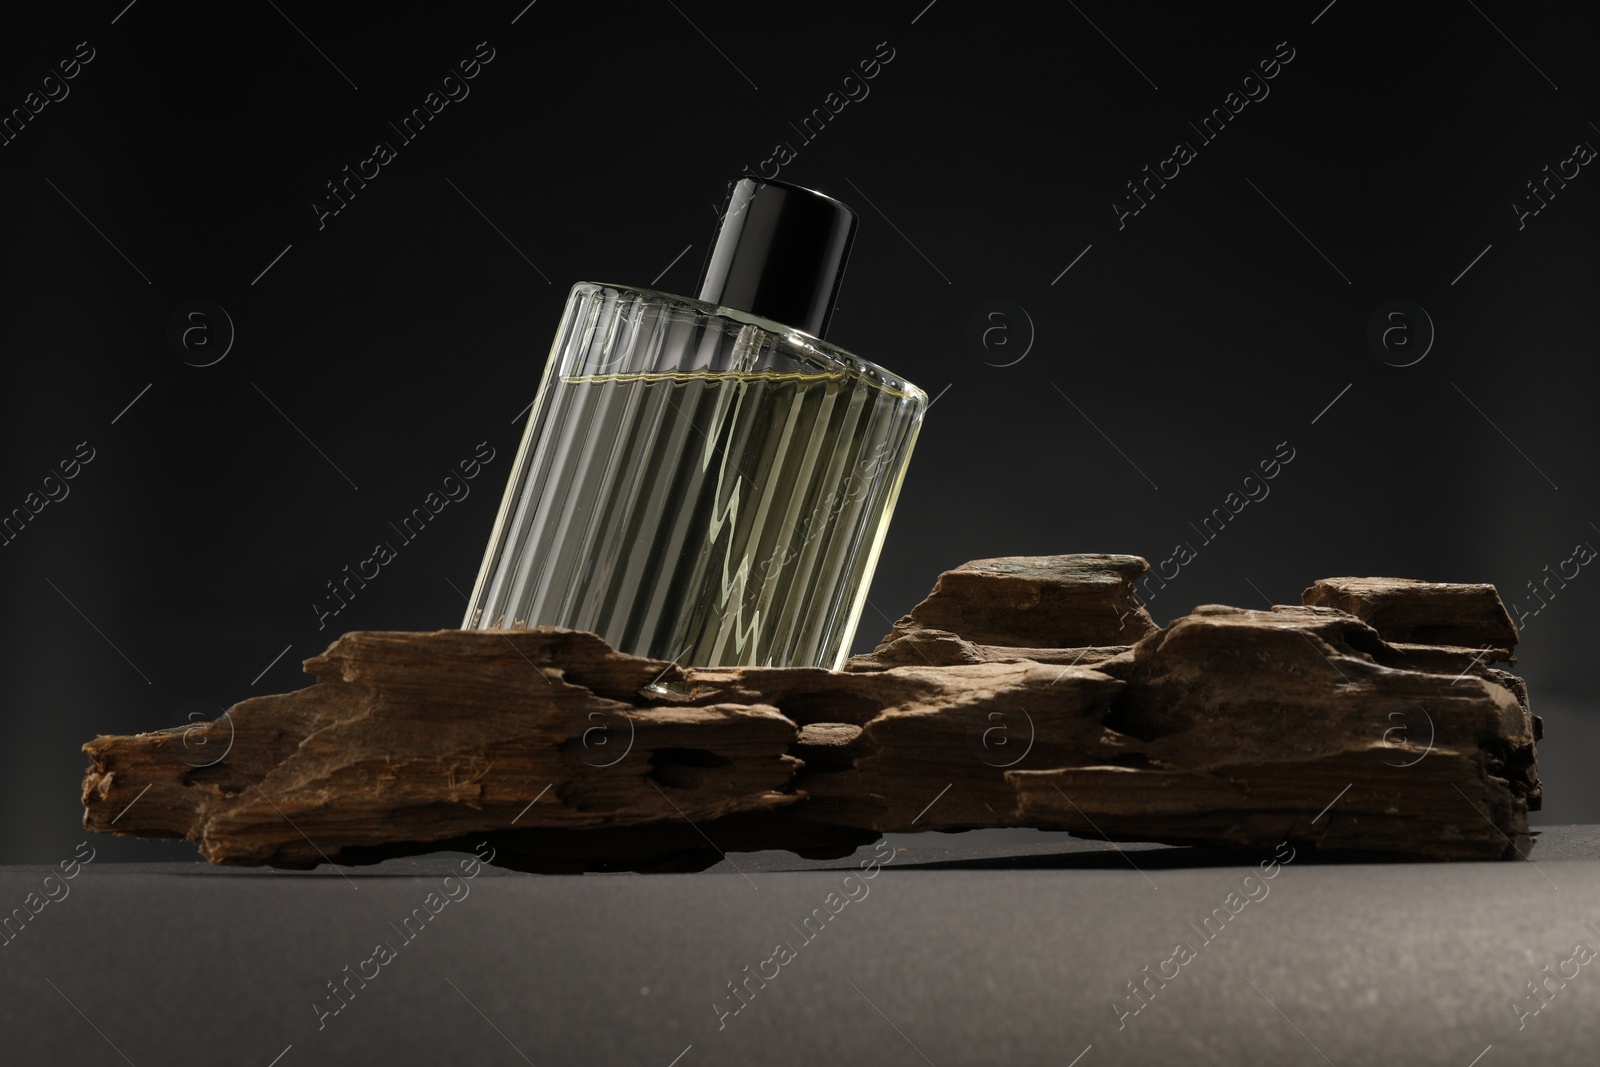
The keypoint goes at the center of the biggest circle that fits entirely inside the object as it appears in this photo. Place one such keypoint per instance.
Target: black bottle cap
(780, 254)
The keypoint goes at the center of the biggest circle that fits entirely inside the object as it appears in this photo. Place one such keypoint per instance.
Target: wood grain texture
(1029, 691)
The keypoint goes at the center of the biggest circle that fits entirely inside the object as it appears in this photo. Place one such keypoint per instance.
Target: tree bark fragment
(1022, 692)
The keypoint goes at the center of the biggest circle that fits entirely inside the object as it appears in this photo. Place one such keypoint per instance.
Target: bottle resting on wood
(707, 481)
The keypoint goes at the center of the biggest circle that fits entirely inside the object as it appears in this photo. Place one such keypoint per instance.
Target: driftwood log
(1023, 692)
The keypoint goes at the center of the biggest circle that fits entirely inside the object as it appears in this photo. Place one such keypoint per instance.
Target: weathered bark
(1047, 609)
(1003, 699)
(1240, 726)
(427, 737)
(1435, 613)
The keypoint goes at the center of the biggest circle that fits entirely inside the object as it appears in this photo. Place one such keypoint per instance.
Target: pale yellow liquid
(703, 518)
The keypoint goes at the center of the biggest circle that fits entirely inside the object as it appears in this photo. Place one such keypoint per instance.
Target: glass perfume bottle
(707, 481)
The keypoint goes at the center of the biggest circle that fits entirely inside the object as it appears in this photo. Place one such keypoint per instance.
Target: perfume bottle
(706, 481)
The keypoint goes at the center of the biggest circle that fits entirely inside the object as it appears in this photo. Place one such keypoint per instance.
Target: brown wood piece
(1020, 692)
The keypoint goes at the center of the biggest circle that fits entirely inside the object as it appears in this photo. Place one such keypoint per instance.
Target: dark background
(381, 349)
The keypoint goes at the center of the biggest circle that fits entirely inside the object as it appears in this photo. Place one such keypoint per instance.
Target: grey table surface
(980, 948)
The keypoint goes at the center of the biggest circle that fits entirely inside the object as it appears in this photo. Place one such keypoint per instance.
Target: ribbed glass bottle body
(698, 485)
